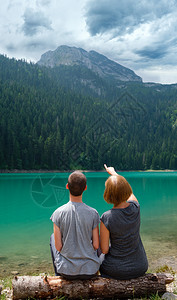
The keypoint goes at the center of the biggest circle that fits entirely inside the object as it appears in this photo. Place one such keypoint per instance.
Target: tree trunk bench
(98, 287)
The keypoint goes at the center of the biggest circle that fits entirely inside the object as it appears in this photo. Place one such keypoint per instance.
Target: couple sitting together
(75, 241)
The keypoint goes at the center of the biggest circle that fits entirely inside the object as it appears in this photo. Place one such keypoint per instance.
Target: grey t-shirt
(126, 257)
(76, 222)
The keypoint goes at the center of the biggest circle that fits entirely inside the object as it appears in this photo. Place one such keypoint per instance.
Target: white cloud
(43, 2)
(159, 74)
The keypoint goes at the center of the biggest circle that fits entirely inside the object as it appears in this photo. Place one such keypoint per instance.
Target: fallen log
(97, 287)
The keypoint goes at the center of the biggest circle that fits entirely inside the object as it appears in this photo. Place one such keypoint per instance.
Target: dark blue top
(126, 258)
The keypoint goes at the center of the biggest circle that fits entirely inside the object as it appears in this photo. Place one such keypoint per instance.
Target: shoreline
(16, 171)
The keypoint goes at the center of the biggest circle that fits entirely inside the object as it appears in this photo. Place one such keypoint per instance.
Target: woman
(120, 240)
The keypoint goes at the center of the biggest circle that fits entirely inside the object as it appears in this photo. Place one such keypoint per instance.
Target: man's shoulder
(89, 208)
(64, 207)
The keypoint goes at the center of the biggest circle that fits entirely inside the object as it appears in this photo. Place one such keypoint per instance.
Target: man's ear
(67, 186)
(85, 188)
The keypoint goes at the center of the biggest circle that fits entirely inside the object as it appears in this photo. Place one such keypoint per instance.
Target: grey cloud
(11, 47)
(151, 53)
(32, 44)
(120, 16)
(158, 50)
(34, 21)
(38, 44)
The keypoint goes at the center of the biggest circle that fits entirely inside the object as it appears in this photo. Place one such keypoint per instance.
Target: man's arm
(57, 237)
(104, 238)
(95, 238)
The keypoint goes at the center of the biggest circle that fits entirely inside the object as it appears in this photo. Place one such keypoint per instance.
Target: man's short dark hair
(77, 183)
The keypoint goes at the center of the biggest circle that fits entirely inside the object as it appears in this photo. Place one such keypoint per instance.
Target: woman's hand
(110, 170)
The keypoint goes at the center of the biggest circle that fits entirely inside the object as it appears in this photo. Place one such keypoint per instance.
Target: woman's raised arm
(110, 170)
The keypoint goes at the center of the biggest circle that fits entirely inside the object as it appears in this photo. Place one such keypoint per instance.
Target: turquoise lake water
(28, 200)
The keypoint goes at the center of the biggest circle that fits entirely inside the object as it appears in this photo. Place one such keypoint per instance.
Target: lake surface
(28, 200)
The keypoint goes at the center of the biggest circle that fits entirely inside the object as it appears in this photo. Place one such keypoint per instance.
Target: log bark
(103, 288)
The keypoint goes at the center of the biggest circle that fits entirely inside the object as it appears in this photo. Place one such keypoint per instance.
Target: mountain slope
(43, 125)
(92, 60)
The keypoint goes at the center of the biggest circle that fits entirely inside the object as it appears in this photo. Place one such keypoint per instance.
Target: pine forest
(51, 119)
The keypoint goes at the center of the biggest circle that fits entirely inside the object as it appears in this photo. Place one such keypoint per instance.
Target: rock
(7, 293)
(169, 296)
(14, 272)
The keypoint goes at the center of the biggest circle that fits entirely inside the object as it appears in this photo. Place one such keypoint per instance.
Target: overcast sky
(140, 35)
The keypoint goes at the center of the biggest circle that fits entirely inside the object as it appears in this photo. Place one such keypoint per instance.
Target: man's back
(76, 222)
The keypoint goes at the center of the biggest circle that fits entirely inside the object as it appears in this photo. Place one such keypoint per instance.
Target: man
(76, 234)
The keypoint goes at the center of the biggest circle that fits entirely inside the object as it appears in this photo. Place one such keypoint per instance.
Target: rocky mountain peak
(98, 63)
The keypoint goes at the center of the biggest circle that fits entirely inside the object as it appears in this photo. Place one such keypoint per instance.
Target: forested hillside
(48, 123)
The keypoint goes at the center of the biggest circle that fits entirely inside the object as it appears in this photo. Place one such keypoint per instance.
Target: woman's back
(126, 257)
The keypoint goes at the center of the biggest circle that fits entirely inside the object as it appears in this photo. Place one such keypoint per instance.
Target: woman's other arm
(132, 197)
(104, 238)
(95, 238)
(57, 237)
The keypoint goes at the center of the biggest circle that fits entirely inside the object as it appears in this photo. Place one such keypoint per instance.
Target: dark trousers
(54, 254)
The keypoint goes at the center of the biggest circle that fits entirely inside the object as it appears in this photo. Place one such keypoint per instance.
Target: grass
(152, 297)
(3, 297)
(6, 284)
(165, 269)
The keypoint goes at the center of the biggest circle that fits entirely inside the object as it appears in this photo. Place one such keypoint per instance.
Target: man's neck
(76, 198)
